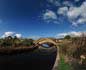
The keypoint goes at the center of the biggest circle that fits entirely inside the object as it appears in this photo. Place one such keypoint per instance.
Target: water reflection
(33, 60)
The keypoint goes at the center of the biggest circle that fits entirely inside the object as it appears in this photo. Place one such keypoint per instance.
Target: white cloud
(6, 34)
(76, 15)
(82, 20)
(73, 13)
(61, 35)
(18, 35)
(9, 33)
(49, 15)
(62, 10)
(75, 34)
(72, 34)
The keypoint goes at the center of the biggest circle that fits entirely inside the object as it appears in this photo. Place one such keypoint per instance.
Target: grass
(62, 65)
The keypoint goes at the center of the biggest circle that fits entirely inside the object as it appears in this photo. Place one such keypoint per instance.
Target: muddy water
(29, 61)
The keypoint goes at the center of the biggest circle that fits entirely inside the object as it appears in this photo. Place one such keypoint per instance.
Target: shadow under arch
(47, 40)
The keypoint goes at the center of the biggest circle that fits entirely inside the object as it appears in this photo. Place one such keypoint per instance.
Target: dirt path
(57, 60)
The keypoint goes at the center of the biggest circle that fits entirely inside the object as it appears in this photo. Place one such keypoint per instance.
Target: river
(37, 60)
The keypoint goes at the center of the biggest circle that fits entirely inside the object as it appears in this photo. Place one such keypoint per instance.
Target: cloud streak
(72, 34)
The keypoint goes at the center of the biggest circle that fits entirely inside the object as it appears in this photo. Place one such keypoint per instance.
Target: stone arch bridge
(54, 42)
(46, 40)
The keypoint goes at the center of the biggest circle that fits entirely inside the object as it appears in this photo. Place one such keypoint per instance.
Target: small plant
(67, 37)
(63, 65)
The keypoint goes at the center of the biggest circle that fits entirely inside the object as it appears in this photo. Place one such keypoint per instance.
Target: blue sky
(42, 18)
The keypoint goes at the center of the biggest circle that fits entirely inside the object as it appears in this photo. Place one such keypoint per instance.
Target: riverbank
(5, 51)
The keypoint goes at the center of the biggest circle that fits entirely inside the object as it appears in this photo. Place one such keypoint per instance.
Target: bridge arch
(45, 40)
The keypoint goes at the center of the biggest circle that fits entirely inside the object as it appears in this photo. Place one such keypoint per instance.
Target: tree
(27, 42)
(1, 42)
(7, 42)
(16, 42)
(67, 37)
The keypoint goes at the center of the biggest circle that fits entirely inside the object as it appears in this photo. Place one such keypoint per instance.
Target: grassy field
(63, 65)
